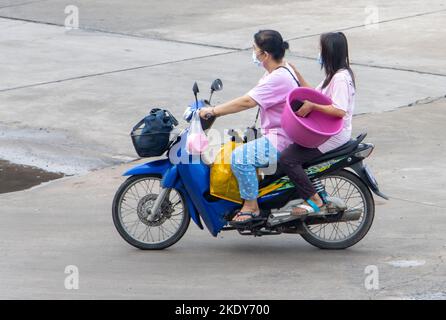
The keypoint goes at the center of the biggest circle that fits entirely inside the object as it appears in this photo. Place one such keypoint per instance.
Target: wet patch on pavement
(15, 177)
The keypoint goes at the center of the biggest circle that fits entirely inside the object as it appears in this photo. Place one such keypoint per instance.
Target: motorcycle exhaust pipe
(351, 215)
(348, 215)
(282, 217)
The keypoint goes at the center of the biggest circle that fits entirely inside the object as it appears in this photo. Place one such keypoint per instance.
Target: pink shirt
(270, 94)
(342, 93)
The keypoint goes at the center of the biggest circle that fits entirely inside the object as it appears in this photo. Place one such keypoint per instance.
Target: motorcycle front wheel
(348, 187)
(133, 201)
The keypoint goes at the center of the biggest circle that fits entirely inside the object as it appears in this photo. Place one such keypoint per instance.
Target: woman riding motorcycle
(270, 95)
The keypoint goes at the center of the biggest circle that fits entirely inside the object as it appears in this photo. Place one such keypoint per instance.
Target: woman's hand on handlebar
(207, 112)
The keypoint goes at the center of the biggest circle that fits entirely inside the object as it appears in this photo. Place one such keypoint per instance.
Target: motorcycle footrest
(252, 223)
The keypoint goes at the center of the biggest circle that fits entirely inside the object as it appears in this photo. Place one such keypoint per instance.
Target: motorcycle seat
(339, 151)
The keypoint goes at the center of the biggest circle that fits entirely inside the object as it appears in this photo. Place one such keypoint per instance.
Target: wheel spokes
(351, 195)
(137, 200)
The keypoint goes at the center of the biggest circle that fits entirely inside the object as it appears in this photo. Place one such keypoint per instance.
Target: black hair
(334, 54)
(271, 41)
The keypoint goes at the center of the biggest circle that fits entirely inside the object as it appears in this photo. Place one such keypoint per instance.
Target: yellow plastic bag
(223, 183)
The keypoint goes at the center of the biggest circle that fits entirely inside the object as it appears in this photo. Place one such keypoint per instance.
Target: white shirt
(342, 94)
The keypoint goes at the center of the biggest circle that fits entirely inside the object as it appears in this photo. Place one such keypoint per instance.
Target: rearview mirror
(195, 88)
(217, 85)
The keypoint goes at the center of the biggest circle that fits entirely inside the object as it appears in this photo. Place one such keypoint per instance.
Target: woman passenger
(339, 85)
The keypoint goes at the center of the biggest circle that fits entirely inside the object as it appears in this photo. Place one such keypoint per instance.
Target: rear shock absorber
(320, 189)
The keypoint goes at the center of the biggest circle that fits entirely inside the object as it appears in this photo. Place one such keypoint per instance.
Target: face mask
(319, 59)
(256, 61)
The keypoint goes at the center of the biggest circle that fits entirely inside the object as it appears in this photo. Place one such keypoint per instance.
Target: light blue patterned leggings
(259, 153)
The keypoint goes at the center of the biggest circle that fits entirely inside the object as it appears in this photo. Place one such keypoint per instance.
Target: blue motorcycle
(153, 207)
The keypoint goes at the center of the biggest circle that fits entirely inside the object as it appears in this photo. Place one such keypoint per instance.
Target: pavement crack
(398, 69)
(417, 202)
(364, 25)
(212, 45)
(161, 39)
(377, 66)
(426, 100)
(422, 101)
(20, 4)
(130, 35)
(112, 72)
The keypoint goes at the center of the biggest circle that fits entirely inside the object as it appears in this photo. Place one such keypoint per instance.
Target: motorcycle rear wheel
(355, 193)
(132, 201)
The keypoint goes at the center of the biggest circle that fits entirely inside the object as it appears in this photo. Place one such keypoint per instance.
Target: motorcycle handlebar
(207, 122)
(208, 116)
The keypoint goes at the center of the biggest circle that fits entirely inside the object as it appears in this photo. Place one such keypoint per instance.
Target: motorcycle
(152, 209)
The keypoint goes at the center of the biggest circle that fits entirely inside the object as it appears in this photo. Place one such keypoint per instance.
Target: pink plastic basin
(316, 127)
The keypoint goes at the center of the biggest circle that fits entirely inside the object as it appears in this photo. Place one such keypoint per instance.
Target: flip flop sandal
(312, 209)
(248, 214)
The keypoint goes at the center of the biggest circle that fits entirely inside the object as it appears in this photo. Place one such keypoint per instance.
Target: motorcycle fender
(153, 167)
(170, 179)
(360, 170)
(190, 205)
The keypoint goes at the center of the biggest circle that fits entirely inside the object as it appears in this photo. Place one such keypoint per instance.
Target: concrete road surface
(68, 99)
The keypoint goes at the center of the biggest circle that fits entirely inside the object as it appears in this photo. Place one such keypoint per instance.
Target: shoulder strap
(297, 82)
(257, 117)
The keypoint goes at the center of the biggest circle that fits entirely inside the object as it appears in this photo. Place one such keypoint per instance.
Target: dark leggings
(290, 162)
